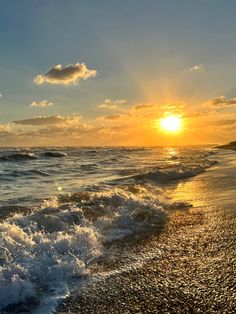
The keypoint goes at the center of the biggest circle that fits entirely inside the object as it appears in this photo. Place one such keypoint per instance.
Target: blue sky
(142, 51)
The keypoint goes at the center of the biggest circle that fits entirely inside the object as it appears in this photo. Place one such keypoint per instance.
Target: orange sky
(121, 124)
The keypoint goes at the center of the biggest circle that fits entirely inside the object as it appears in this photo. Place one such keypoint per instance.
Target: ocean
(63, 208)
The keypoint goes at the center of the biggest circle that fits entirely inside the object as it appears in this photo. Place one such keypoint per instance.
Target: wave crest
(53, 154)
(18, 157)
(175, 173)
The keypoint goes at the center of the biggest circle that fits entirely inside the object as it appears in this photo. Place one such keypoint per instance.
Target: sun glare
(172, 124)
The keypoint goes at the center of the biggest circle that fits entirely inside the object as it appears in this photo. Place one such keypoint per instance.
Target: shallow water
(60, 208)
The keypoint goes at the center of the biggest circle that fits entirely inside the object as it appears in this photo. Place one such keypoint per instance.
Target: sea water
(61, 207)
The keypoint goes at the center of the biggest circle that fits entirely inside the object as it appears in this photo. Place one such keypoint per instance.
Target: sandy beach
(188, 268)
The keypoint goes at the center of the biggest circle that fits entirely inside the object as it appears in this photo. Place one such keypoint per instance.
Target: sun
(172, 124)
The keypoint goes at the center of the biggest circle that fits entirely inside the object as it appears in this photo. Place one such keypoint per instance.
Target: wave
(18, 157)
(88, 166)
(52, 154)
(42, 250)
(174, 173)
(28, 173)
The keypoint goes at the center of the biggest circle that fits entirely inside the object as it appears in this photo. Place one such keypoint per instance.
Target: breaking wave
(41, 251)
(175, 173)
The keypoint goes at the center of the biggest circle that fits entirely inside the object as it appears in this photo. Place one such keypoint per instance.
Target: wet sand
(189, 268)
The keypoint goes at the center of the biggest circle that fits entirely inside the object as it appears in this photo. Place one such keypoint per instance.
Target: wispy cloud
(70, 74)
(112, 117)
(176, 107)
(0, 95)
(173, 105)
(220, 102)
(41, 120)
(224, 122)
(112, 104)
(144, 106)
(197, 68)
(42, 104)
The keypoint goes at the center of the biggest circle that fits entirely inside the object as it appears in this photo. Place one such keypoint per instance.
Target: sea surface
(61, 208)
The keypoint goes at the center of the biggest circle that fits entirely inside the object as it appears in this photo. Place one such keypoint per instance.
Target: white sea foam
(33, 259)
(41, 251)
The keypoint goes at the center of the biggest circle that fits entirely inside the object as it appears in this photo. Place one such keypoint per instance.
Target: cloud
(174, 106)
(0, 95)
(107, 130)
(193, 114)
(197, 68)
(41, 120)
(112, 104)
(70, 74)
(51, 130)
(144, 106)
(224, 122)
(221, 102)
(43, 103)
(112, 117)
(5, 128)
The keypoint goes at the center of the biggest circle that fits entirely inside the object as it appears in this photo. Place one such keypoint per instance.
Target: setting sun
(171, 124)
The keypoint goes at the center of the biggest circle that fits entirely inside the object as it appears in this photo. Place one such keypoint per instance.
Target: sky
(87, 72)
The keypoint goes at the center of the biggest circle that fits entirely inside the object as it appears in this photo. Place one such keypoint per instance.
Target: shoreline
(190, 269)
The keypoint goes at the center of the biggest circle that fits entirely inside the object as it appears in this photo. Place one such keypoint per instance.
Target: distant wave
(88, 166)
(53, 154)
(14, 157)
(18, 157)
(27, 173)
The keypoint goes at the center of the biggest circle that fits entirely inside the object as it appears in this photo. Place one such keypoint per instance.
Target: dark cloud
(144, 106)
(221, 102)
(113, 117)
(48, 120)
(70, 74)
